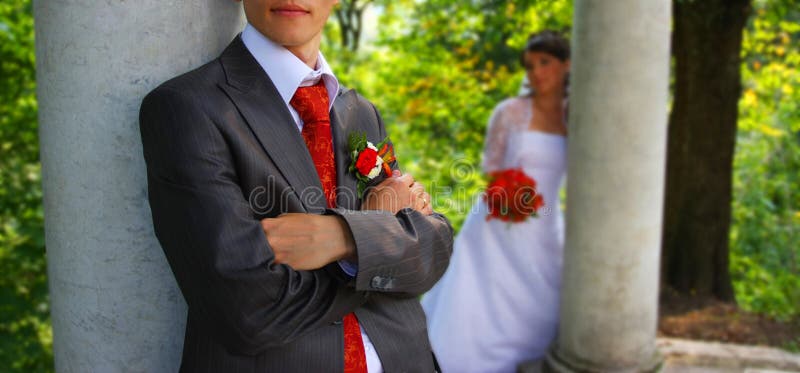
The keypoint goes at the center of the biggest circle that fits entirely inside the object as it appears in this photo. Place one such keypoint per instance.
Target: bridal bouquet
(511, 196)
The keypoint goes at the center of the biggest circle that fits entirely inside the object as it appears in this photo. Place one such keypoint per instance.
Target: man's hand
(396, 193)
(307, 241)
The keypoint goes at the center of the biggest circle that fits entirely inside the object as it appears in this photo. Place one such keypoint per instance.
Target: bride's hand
(396, 193)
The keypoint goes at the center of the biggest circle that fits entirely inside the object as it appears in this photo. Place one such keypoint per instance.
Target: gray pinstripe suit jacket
(223, 152)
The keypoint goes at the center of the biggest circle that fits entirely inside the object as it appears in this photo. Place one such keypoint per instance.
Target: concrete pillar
(115, 304)
(617, 150)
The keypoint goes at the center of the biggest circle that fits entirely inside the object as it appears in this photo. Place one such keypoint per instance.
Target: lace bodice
(511, 116)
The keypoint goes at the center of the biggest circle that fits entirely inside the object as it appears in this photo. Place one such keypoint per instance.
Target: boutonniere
(369, 160)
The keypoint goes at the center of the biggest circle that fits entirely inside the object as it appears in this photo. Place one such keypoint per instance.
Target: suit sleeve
(214, 243)
(405, 253)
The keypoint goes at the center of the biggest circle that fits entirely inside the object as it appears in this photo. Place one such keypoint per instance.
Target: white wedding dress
(497, 304)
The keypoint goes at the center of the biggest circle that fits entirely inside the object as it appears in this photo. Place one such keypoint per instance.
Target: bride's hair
(546, 41)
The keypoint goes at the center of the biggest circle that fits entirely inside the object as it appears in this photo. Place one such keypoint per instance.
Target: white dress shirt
(287, 73)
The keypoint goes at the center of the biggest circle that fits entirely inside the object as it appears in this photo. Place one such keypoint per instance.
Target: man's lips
(290, 10)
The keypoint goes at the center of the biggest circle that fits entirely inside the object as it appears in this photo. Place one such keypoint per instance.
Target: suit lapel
(342, 124)
(263, 109)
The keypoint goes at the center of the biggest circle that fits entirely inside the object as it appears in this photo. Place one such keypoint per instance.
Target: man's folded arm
(213, 242)
(404, 253)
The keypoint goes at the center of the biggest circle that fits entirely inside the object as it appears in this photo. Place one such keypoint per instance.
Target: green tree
(25, 336)
(707, 42)
(350, 18)
(765, 239)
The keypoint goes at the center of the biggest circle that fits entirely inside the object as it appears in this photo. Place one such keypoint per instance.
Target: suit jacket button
(377, 282)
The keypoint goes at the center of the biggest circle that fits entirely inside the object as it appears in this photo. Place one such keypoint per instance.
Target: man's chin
(291, 40)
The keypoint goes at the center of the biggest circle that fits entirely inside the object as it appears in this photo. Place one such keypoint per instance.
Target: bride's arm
(494, 148)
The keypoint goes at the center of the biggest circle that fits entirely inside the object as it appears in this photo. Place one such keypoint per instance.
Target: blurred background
(436, 68)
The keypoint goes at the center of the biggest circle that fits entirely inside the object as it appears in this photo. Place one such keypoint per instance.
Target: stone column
(617, 151)
(115, 304)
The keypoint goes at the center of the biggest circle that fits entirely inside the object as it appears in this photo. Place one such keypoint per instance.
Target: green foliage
(765, 239)
(25, 336)
(437, 71)
(440, 67)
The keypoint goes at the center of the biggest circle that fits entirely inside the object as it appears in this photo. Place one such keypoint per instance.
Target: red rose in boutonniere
(511, 196)
(368, 159)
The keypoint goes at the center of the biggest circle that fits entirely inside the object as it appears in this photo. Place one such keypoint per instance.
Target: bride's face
(546, 73)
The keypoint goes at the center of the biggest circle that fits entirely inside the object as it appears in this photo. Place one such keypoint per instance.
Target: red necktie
(312, 103)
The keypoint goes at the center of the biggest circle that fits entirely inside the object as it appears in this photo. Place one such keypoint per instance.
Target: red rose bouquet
(511, 196)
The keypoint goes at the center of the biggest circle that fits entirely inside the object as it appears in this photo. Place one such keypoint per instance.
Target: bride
(497, 304)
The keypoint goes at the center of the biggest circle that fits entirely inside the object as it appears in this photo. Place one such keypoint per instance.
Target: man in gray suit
(284, 267)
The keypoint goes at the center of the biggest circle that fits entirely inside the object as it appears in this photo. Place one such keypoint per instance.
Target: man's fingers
(268, 224)
(287, 220)
(406, 179)
(426, 197)
(428, 209)
(418, 193)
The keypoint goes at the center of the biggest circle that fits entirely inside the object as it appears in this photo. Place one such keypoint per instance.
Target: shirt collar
(286, 71)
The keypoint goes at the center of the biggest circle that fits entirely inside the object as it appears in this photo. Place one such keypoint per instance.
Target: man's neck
(308, 53)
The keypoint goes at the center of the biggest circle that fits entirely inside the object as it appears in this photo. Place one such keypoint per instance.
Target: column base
(557, 362)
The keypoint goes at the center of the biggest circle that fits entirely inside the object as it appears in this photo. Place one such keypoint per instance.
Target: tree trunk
(350, 16)
(707, 41)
